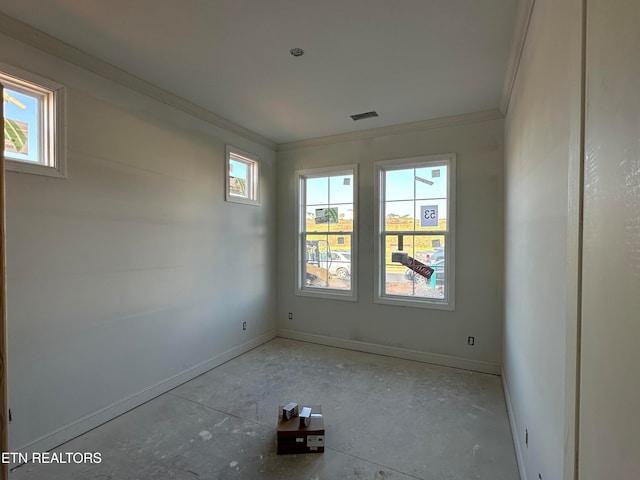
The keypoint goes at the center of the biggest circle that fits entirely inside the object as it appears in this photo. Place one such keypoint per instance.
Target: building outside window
(416, 226)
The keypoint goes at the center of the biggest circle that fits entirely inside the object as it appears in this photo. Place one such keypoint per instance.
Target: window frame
(253, 176)
(300, 278)
(380, 297)
(52, 141)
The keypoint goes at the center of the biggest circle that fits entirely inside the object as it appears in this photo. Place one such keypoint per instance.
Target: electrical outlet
(244, 325)
(471, 340)
(540, 476)
(526, 437)
(290, 315)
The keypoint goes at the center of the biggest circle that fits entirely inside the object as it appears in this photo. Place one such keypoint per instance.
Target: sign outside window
(429, 216)
(326, 215)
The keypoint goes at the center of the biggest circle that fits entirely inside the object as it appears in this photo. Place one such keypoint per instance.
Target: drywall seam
(433, 358)
(455, 120)
(36, 38)
(521, 29)
(103, 415)
(514, 426)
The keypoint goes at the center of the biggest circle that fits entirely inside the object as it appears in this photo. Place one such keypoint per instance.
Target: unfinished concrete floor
(385, 418)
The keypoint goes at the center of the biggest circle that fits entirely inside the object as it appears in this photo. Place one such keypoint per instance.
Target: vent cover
(361, 116)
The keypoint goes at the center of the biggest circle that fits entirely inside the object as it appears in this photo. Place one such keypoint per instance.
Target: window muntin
(326, 233)
(242, 177)
(415, 216)
(33, 126)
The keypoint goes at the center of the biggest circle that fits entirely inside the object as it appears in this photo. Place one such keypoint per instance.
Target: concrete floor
(385, 418)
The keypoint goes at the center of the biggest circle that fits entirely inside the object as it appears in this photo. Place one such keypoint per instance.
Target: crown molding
(455, 120)
(521, 28)
(29, 35)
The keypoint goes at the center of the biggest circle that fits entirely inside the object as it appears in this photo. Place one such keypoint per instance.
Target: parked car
(340, 265)
(431, 258)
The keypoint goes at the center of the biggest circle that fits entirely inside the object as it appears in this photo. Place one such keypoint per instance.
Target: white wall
(610, 387)
(133, 274)
(542, 158)
(434, 335)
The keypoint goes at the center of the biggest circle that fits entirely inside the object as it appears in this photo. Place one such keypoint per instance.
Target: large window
(415, 228)
(33, 124)
(243, 177)
(326, 233)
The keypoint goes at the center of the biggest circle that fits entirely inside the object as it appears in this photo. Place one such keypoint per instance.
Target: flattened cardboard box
(292, 438)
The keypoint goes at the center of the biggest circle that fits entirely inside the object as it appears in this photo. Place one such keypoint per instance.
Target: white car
(340, 265)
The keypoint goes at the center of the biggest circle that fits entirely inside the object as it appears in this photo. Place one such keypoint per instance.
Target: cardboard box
(293, 438)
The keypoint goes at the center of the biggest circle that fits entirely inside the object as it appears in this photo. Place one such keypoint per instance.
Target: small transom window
(33, 125)
(243, 177)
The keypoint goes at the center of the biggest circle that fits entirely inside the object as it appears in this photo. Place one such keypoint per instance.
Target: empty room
(320, 240)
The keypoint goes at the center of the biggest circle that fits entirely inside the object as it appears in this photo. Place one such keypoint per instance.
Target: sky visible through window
(426, 185)
(238, 169)
(406, 190)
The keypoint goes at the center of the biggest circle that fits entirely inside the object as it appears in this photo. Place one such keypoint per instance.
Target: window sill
(408, 302)
(34, 169)
(328, 295)
(244, 201)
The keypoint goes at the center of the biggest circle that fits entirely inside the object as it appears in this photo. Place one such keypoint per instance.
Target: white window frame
(253, 176)
(448, 303)
(328, 293)
(52, 139)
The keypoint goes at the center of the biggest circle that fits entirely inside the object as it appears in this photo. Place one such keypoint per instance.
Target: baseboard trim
(434, 358)
(83, 425)
(514, 426)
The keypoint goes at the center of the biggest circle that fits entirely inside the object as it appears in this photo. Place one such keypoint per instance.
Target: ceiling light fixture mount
(296, 52)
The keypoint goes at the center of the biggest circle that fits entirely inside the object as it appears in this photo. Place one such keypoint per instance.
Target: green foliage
(14, 134)
(241, 184)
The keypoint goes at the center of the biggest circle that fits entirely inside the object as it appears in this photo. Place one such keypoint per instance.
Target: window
(33, 124)
(326, 233)
(415, 225)
(243, 177)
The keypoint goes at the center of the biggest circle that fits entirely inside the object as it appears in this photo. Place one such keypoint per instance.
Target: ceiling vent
(361, 116)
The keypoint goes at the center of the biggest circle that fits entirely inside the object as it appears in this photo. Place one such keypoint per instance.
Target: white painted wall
(542, 161)
(436, 335)
(133, 274)
(610, 384)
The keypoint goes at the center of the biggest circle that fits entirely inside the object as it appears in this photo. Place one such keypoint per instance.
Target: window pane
(238, 178)
(328, 261)
(399, 184)
(317, 218)
(431, 215)
(22, 126)
(317, 191)
(431, 182)
(399, 215)
(399, 280)
(344, 214)
(341, 189)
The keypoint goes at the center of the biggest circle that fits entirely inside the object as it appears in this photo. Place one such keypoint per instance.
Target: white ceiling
(410, 60)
